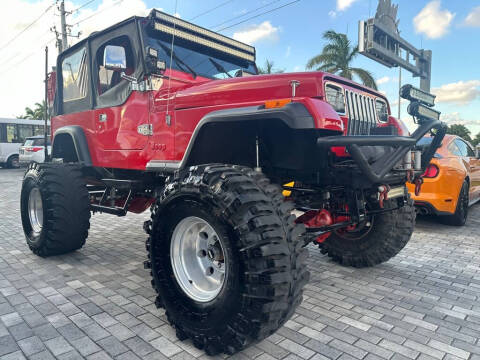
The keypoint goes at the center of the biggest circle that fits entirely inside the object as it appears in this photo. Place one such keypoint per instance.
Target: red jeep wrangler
(158, 112)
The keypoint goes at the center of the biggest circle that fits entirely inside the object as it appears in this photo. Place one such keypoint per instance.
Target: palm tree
(336, 58)
(269, 68)
(38, 113)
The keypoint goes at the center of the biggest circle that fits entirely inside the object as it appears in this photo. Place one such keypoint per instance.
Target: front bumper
(380, 170)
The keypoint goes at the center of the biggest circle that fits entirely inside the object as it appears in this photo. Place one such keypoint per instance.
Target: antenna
(168, 118)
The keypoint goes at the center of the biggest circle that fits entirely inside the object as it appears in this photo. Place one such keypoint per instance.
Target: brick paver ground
(97, 303)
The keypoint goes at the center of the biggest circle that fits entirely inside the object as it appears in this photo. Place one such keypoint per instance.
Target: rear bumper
(436, 197)
(380, 171)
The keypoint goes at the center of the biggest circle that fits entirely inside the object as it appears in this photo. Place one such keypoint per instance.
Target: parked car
(451, 181)
(33, 150)
(13, 133)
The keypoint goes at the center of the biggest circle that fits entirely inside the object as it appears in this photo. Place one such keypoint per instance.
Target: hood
(250, 89)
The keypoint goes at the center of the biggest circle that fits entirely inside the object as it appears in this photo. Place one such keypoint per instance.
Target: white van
(13, 133)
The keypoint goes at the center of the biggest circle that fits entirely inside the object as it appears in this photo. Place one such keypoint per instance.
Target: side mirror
(114, 58)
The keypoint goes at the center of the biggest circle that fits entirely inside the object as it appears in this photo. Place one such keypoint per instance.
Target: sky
(289, 35)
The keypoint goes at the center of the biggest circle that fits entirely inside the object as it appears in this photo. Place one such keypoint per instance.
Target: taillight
(34, 149)
(431, 171)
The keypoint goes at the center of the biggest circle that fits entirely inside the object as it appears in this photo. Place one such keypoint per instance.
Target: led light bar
(411, 93)
(199, 30)
(202, 41)
(423, 112)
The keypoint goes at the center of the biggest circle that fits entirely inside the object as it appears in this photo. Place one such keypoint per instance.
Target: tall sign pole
(380, 40)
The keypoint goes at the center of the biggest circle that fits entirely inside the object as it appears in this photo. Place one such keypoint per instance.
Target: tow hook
(383, 194)
(418, 185)
(410, 176)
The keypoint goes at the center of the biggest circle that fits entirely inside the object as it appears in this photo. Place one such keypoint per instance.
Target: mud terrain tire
(61, 222)
(389, 233)
(265, 272)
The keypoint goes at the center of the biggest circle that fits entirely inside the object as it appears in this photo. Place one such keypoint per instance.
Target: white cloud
(255, 33)
(332, 14)
(382, 80)
(344, 4)
(297, 68)
(473, 18)
(459, 93)
(456, 118)
(22, 69)
(433, 21)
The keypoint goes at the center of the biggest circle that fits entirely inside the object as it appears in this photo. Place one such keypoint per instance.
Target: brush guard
(380, 171)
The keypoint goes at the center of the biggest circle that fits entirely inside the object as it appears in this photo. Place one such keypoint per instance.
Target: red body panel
(116, 142)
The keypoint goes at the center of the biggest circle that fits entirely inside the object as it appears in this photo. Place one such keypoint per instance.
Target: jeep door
(121, 115)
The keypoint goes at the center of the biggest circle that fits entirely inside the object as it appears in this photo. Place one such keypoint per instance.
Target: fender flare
(295, 115)
(79, 141)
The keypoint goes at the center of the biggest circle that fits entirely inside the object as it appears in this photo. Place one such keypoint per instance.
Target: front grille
(361, 113)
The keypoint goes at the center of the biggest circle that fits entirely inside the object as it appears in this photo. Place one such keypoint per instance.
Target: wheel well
(64, 148)
(234, 142)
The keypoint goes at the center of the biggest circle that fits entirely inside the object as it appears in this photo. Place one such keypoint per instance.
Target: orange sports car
(451, 181)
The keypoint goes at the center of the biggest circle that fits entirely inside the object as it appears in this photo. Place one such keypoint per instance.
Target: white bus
(13, 133)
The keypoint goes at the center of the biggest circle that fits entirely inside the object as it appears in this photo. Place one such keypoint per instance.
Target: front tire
(383, 237)
(55, 208)
(262, 270)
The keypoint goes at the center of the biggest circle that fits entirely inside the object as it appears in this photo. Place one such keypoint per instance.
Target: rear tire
(387, 235)
(13, 162)
(459, 218)
(55, 208)
(262, 254)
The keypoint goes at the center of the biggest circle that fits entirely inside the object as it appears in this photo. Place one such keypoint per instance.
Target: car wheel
(55, 209)
(13, 162)
(459, 218)
(226, 257)
(373, 241)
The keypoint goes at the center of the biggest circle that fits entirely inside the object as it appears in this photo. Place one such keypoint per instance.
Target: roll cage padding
(294, 115)
(76, 135)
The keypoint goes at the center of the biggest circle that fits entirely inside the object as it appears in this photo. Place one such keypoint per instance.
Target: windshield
(203, 61)
(424, 141)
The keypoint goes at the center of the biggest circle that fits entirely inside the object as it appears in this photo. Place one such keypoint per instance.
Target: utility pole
(58, 43)
(64, 26)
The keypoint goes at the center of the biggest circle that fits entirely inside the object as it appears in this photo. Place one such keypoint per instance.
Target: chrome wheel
(198, 259)
(35, 210)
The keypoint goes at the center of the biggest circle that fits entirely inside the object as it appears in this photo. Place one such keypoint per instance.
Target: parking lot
(97, 303)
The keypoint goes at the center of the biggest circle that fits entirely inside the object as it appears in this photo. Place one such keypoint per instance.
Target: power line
(245, 14)
(212, 9)
(81, 7)
(26, 57)
(27, 27)
(98, 12)
(253, 17)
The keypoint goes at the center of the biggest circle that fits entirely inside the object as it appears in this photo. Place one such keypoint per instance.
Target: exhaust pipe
(421, 210)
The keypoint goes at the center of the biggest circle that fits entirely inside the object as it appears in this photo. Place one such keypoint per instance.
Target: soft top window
(335, 97)
(75, 76)
(109, 78)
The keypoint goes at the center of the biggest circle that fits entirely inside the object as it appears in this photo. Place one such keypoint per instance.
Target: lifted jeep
(159, 113)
